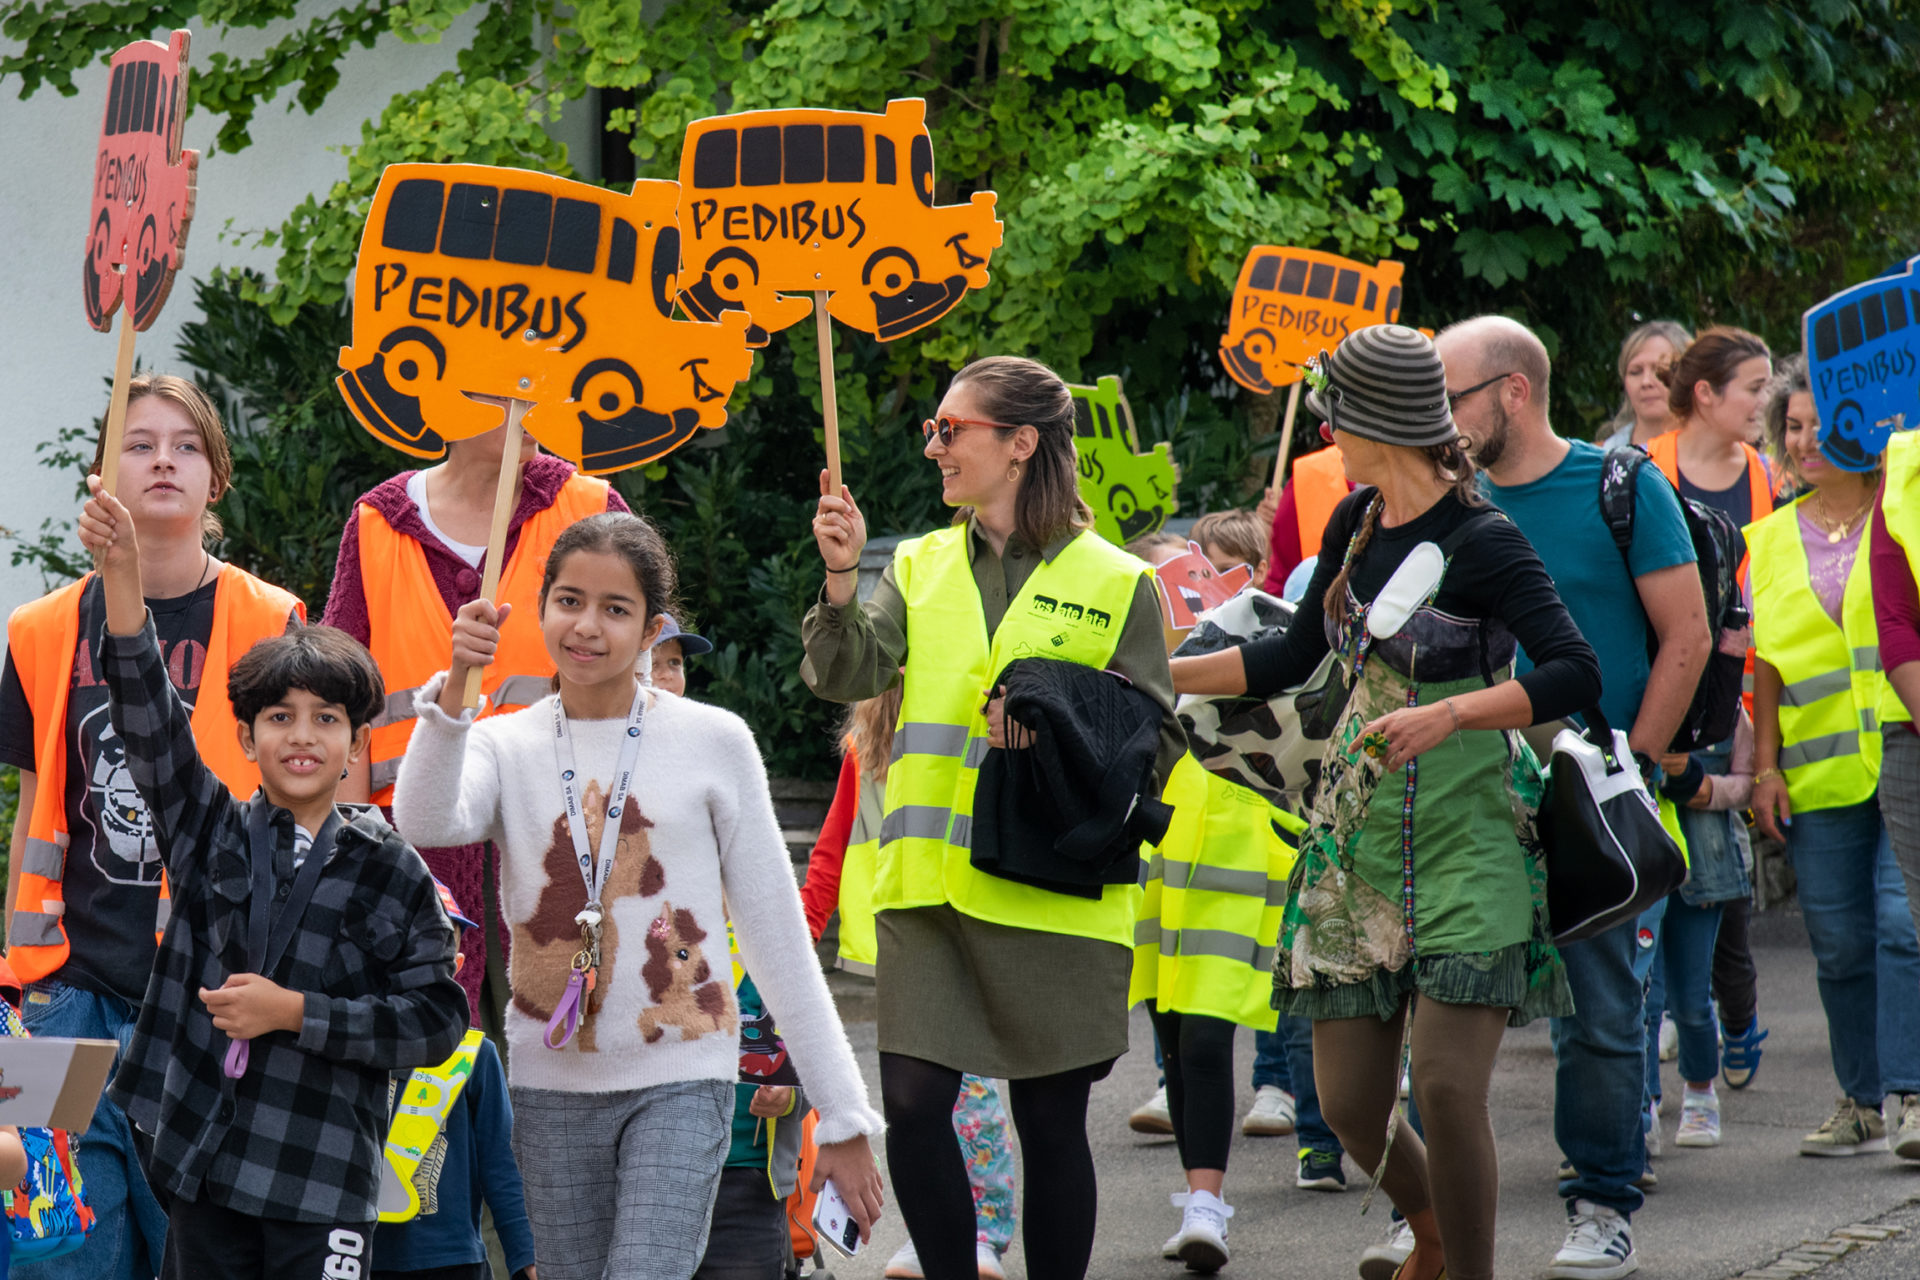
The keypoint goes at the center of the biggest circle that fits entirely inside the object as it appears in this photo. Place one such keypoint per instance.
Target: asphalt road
(1717, 1212)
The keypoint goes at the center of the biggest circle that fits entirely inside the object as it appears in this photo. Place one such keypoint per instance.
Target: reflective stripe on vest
(1831, 684)
(1900, 508)
(1216, 888)
(859, 945)
(43, 637)
(1319, 484)
(408, 624)
(925, 835)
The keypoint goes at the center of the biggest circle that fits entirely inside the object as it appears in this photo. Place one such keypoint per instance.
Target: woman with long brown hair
(1420, 871)
(979, 974)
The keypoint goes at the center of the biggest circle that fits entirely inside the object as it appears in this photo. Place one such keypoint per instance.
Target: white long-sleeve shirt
(700, 825)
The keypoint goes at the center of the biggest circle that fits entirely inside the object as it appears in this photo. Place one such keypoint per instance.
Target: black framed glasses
(947, 425)
(1455, 397)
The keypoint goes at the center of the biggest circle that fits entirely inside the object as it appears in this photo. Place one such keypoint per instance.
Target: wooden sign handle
(829, 400)
(1286, 439)
(117, 406)
(502, 517)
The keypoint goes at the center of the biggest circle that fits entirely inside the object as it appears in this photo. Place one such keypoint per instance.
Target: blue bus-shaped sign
(1863, 360)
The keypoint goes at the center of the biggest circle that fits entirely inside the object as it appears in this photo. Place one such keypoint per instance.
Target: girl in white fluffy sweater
(623, 1029)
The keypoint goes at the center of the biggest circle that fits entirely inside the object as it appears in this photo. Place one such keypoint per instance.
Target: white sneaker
(1272, 1114)
(1699, 1120)
(1406, 1083)
(904, 1264)
(1652, 1126)
(1669, 1038)
(1152, 1116)
(1381, 1261)
(1202, 1241)
(987, 1260)
(1599, 1245)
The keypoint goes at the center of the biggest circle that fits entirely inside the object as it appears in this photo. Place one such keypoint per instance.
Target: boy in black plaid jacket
(306, 958)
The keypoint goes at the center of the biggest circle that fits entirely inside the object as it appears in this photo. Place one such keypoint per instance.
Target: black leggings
(1735, 984)
(1059, 1201)
(1197, 1054)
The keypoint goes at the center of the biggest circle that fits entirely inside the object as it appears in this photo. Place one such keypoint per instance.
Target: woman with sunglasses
(1421, 871)
(980, 974)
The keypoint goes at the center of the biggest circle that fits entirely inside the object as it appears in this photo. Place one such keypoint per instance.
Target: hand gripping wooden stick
(497, 536)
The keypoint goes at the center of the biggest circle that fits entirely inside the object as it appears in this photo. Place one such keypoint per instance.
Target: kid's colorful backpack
(47, 1214)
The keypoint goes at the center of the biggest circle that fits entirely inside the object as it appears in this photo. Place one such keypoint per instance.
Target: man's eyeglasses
(1455, 397)
(946, 426)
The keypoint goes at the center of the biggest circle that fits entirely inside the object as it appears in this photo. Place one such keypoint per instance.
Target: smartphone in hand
(832, 1222)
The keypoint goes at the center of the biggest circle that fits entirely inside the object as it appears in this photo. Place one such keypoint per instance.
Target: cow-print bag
(1269, 745)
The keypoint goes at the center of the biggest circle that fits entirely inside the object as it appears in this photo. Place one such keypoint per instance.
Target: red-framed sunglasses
(946, 425)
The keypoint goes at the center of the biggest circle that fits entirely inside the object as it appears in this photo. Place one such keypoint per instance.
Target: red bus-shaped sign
(1292, 304)
(477, 280)
(143, 185)
(779, 203)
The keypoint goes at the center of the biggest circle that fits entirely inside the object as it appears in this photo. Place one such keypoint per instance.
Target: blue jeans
(1864, 950)
(1683, 944)
(1309, 1127)
(1270, 1058)
(129, 1229)
(1652, 971)
(1600, 1055)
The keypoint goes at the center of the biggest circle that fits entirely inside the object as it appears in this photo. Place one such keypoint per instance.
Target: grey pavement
(1717, 1212)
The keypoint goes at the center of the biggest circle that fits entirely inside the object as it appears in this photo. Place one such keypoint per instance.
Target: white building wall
(55, 365)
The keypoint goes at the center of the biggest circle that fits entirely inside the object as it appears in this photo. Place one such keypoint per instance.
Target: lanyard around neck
(594, 872)
(270, 932)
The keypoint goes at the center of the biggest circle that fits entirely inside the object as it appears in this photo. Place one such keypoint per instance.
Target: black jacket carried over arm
(1069, 812)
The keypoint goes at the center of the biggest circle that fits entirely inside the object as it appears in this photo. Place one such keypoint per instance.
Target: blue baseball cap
(690, 644)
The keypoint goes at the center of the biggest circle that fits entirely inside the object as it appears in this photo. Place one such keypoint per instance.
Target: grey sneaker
(1906, 1139)
(1381, 1261)
(1851, 1130)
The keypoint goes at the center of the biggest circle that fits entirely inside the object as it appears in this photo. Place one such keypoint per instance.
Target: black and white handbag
(1608, 857)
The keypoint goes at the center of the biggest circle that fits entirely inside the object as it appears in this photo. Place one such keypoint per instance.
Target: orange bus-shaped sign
(779, 203)
(483, 281)
(143, 185)
(1292, 304)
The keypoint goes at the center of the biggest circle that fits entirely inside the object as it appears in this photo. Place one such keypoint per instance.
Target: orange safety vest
(43, 636)
(1319, 484)
(409, 628)
(1665, 452)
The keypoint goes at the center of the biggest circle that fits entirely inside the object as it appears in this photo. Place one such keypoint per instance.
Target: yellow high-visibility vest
(1216, 888)
(1831, 683)
(859, 947)
(1073, 607)
(1900, 506)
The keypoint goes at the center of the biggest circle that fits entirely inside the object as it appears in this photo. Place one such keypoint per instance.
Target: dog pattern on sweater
(545, 944)
(680, 981)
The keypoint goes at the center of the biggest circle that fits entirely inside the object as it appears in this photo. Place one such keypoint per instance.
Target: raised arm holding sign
(836, 204)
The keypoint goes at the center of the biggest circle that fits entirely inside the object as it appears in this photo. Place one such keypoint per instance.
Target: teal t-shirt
(1560, 514)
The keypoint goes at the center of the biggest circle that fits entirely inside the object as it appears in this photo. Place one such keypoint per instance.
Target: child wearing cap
(670, 654)
(469, 1163)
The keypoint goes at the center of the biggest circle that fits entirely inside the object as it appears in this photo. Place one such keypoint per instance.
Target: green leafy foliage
(1581, 166)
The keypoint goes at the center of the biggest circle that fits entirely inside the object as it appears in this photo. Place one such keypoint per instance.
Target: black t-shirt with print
(112, 880)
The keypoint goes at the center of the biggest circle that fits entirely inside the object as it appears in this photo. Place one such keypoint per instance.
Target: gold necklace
(1836, 532)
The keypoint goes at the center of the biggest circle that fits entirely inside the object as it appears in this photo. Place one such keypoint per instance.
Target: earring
(1013, 472)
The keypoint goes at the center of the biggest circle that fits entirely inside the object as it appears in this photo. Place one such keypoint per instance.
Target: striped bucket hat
(1385, 382)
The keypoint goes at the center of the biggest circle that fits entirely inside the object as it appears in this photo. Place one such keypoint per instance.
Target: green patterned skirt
(1429, 879)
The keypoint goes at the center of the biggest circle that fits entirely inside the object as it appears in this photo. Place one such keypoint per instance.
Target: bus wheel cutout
(615, 429)
(722, 286)
(387, 389)
(902, 302)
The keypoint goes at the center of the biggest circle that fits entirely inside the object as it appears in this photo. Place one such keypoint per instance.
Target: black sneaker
(1321, 1171)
